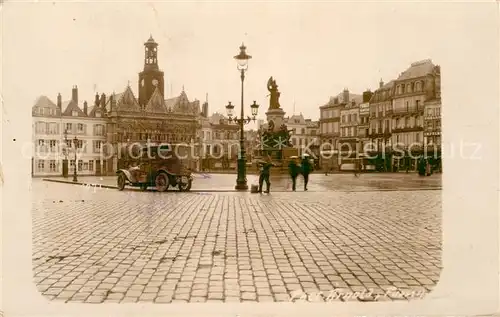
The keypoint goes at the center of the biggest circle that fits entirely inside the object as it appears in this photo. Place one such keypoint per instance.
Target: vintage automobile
(157, 167)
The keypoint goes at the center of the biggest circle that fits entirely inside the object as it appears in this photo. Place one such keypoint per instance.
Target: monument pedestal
(277, 117)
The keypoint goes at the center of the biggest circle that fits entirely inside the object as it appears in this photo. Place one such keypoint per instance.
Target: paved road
(103, 245)
(318, 182)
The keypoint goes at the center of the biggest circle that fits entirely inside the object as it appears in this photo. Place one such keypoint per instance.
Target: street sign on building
(364, 108)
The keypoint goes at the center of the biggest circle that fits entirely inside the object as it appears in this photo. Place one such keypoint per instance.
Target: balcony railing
(412, 109)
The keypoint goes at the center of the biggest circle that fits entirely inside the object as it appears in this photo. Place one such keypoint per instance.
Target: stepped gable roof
(417, 69)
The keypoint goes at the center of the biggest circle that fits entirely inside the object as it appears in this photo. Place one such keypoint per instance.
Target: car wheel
(161, 182)
(121, 181)
(185, 187)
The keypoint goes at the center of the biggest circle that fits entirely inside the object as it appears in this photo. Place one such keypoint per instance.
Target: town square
(187, 161)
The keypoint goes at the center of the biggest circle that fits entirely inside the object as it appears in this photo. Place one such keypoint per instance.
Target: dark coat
(306, 167)
(293, 168)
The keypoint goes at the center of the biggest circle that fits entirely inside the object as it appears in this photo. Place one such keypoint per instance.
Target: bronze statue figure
(274, 102)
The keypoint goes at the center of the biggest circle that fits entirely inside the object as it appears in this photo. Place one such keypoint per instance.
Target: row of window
(330, 113)
(433, 112)
(56, 146)
(349, 132)
(353, 118)
(407, 138)
(417, 86)
(207, 135)
(70, 128)
(304, 142)
(157, 137)
(54, 166)
(53, 112)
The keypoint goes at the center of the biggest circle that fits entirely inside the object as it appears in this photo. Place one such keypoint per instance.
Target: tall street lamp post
(75, 179)
(65, 160)
(242, 65)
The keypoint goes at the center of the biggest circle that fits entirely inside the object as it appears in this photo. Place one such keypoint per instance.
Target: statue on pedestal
(274, 101)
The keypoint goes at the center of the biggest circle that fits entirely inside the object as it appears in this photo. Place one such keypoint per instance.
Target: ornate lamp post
(241, 180)
(242, 65)
(65, 152)
(75, 179)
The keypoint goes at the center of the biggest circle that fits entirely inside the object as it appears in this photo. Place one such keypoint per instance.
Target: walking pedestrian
(265, 171)
(306, 168)
(293, 170)
(421, 166)
(428, 171)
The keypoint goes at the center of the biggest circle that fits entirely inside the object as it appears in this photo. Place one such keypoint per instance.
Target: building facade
(330, 125)
(415, 87)
(380, 118)
(432, 117)
(220, 143)
(364, 123)
(55, 125)
(118, 120)
(150, 117)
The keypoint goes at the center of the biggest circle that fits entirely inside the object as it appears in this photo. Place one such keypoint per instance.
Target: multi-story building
(305, 136)
(349, 121)
(313, 139)
(330, 127)
(220, 143)
(412, 89)
(55, 125)
(432, 118)
(364, 123)
(381, 117)
(150, 117)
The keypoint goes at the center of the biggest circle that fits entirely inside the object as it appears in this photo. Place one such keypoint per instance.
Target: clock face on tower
(155, 82)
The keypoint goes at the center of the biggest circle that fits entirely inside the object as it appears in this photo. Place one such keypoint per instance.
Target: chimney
(74, 94)
(59, 101)
(204, 111)
(346, 95)
(381, 83)
(96, 102)
(111, 102)
(85, 107)
(103, 100)
(367, 95)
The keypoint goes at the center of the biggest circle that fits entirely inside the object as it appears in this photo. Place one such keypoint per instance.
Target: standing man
(293, 170)
(306, 170)
(265, 171)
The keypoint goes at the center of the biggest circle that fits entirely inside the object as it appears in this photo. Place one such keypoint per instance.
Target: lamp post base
(241, 180)
(241, 186)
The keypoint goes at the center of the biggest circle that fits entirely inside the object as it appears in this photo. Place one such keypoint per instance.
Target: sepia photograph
(234, 152)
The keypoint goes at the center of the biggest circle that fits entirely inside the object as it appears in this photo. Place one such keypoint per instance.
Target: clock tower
(151, 77)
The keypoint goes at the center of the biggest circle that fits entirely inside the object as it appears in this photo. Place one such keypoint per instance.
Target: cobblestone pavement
(318, 182)
(98, 245)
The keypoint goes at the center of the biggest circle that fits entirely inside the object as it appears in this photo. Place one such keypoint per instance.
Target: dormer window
(74, 113)
(98, 114)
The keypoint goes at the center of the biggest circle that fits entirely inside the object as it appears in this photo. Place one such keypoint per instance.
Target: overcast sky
(313, 50)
